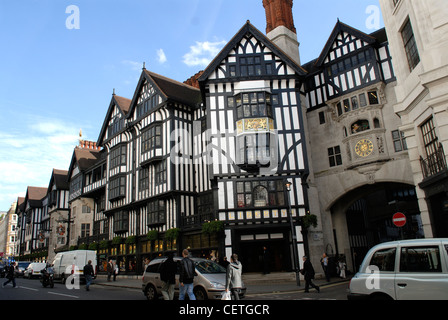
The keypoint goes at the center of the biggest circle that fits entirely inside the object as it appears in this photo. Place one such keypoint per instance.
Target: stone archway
(362, 218)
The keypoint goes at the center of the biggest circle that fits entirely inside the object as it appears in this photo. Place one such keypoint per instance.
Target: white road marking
(32, 289)
(64, 295)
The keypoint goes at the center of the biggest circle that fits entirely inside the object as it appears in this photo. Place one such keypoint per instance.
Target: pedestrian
(266, 261)
(342, 267)
(88, 274)
(146, 262)
(116, 270)
(110, 269)
(324, 263)
(168, 271)
(308, 273)
(233, 276)
(11, 275)
(186, 277)
(224, 262)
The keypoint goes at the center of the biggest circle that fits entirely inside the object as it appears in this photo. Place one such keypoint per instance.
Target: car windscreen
(208, 267)
(23, 265)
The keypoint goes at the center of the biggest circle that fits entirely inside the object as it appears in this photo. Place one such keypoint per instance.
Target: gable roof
(34, 196)
(123, 104)
(248, 28)
(84, 158)
(60, 179)
(340, 28)
(168, 88)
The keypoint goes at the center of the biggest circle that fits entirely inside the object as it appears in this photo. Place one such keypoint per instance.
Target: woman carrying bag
(233, 278)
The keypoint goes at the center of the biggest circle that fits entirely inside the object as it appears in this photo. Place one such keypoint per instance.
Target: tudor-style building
(255, 145)
(146, 188)
(78, 223)
(258, 141)
(30, 214)
(58, 212)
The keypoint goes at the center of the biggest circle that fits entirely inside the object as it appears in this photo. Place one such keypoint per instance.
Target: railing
(434, 164)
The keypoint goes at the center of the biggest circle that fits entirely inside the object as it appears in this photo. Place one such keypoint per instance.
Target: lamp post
(294, 235)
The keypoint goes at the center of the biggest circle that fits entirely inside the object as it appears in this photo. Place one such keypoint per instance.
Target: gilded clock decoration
(364, 148)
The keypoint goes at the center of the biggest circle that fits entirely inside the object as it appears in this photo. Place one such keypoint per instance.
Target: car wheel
(200, 293)
(151, 292)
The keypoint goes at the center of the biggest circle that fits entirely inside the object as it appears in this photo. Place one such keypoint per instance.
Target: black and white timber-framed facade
(256, 143)
(177, 156)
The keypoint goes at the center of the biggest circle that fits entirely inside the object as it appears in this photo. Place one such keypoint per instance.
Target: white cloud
(161, 56)
(29, 155)
(135, 66)
(202, 53)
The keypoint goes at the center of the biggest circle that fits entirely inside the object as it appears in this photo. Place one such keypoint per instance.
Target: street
(334, 291)
(33, 290)
(129, 290)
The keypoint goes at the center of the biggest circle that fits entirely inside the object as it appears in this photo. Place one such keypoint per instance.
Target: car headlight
(217, 285)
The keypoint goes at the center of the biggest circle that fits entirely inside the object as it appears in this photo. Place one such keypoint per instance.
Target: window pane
(384, 259)
(420, 259)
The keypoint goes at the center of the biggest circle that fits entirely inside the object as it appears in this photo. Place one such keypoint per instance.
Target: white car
(208, 284)
(403, 270)
(34, 269)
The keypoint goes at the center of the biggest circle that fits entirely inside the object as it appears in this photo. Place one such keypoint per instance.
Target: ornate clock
(364, 148)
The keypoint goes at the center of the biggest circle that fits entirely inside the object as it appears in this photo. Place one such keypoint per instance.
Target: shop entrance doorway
(265, 256)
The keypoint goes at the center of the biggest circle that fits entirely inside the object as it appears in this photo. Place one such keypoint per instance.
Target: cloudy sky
(60, 61)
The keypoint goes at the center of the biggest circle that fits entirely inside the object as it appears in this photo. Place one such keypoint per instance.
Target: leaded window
(152, 138)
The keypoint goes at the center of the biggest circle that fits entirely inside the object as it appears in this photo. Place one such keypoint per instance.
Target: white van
(72, 263)
(403, 270)
(34, 269)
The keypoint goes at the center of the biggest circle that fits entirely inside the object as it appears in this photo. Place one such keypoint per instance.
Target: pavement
(255, 283)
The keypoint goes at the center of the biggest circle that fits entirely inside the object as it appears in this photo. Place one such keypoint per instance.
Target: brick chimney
(85, 144)
(280, 27)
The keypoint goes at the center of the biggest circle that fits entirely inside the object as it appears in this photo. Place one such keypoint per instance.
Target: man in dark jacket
(88, 274)
(168, 271)
(11, 275)
(186, 278)
(308, 273)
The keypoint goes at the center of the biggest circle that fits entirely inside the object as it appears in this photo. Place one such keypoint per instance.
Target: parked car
(34, 270)
(208, 284)
(21, 267)
(403, 270)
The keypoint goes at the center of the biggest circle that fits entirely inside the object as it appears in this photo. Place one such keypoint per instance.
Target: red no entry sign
(399, 219)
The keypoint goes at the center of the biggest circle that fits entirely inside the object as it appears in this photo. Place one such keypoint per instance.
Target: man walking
(308, 273)
(11, 276)
(233, 276)
(186, 278)
(88, 274)
(168, 276)
(110, 269)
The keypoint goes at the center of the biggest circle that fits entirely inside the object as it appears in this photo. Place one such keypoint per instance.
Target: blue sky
(55, 80)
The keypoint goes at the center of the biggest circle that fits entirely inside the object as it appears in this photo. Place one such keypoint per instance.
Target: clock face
(364, 148)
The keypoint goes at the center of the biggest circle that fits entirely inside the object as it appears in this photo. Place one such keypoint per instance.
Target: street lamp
(294, 235)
